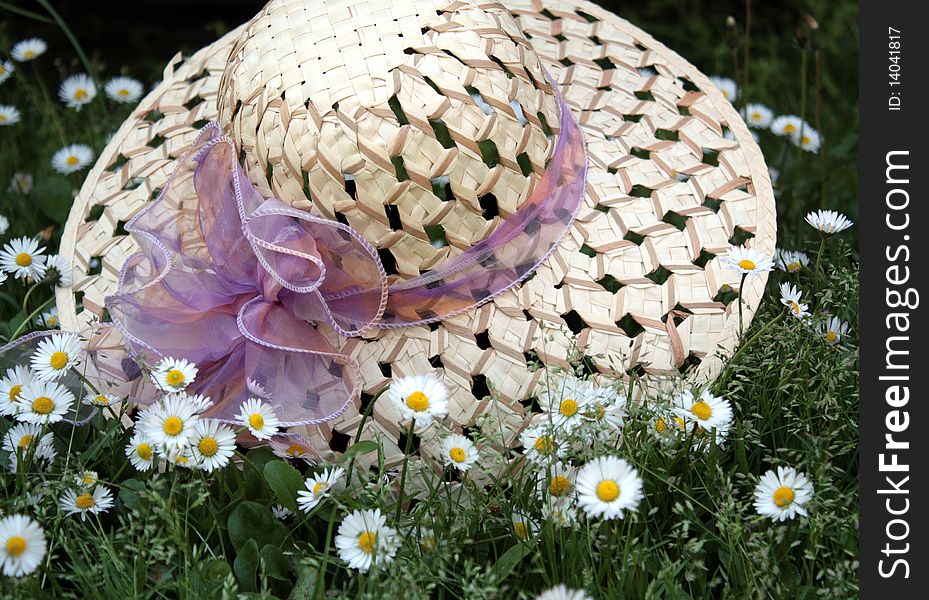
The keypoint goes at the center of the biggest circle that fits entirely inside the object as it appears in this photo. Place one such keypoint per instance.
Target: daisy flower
(6, 70)
(318, 487)
(86, 479)
(9, 115)
(786, 125)
(364, 538)
(21, 438)
(458, 452)
(524, 526)
(427, 541)
(833, 330)
(808, 139)
(77, 90)
(212, 444)
(58, 270)
(420, 398)
(100, 400)
(758, 115)
(48, 319)
(727, 86)
(565, 401)
(123, 89)
(667, 428)
(96, 502)
(292, 446)
(28, 49)
(181, 457)
(747, 261)
(281, 512)
(782, 495)
(828, 221)
(4, 222)
(11, 388)
(21, 183)
(540, 444)
(560, 592)
(44, 402)
(607, 486)
(22, 545)
(140, 453)
(55, 355)
(607, 406)
(707, 411)
(23, 258)
(174, 374)
(561, 512)
(791, 261)
(556, 482)
(169, 423)
(259, 418)
(200, 402)
(72, 158)
(790, 297)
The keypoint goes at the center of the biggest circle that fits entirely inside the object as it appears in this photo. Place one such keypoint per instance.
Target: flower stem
(741, 288)
(406, 460)
(819, 255)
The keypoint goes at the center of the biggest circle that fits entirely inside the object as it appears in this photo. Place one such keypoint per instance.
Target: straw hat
(423, 125)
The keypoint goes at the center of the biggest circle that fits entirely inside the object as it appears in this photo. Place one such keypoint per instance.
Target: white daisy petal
(458, 452)
(140, 452)
(77, 90)
(364, 538)
(560, 592)
(72, 158)
(125, 90)
(55, 356)
(44, 402)
(23, 258)
(747, 261)
(791, 298)
(607, 487)
(259, 418)
(174, 374)
(421, 398)
(758, 115)
(832, 331)
(828, 221)
(81, 502)
(9, 115)
(212, 444)
(783, 495)
(29, 49)
(319, 487)
(22, 545)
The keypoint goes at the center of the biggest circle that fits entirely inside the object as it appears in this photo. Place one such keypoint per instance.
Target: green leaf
(285, 481)
(54, 197)
(253, 521)
(128, 494)
(508, 561)
(246, 565)
(275, 563)
(362, 447)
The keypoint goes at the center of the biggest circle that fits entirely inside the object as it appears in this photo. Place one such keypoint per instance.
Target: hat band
(240, 284)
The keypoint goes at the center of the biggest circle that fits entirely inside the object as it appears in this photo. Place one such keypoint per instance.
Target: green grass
(695, 534)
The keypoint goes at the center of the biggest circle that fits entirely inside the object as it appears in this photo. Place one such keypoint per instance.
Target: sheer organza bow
(261, 296)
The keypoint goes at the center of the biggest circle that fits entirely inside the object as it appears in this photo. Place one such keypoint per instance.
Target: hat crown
(421, 124)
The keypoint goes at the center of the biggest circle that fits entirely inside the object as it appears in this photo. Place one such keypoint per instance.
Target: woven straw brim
(637, 287)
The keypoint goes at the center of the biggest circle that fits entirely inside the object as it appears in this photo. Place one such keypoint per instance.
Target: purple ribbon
(261, 295)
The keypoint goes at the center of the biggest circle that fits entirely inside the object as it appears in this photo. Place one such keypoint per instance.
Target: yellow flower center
(831, 337)
(599, 411)
(417, 401)
(783, 496)
(544, 444)
(521, 530)
(25, 441)
(101, 400)
(747, 264)
(568, 407)
(2, 118)
(144, 451)
(427, 543)
(173, 425)
(88, 479)
(123, 92)
(174, 377)
(680, 423)
(756, 116)
(208, 446)
(15, 391)
(85, 501)
(80, 94)
(2, 70)
(320, 487)
(15, 546)
(181, 460)
(366, 541)
(28, 54)
(559, 485)
(790, 128)
(72, 160)
(701, 410)
(607, 490)
(58, 360)
(23, 259)
(457, 454)
(256, 421)
(795, 307)
(804, 140)
(660, 425)
(295, 450)
(43, 405)
(794, 267)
